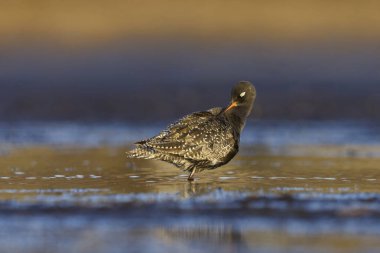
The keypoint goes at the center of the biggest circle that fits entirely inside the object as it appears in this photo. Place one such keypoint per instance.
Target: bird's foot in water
(191, 176)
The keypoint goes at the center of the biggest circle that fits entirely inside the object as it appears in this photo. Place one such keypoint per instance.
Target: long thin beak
(232, 105)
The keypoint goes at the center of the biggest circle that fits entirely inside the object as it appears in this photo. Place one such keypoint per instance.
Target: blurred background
(157, 60)
(80, 81)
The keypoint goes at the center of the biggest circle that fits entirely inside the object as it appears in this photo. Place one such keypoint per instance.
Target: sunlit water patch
(268, 133)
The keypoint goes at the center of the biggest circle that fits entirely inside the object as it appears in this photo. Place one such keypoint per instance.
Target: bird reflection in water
(208, 237)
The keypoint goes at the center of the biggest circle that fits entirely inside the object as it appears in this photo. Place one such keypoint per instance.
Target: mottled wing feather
(178, 129)
(198, 137)
(211, 141)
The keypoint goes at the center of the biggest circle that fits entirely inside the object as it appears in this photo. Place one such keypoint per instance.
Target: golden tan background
(275, 21)
(91, 60)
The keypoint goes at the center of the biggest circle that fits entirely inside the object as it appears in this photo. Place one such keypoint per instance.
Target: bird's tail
(141, 152)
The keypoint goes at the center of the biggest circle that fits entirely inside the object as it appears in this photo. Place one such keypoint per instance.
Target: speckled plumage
(201, 140)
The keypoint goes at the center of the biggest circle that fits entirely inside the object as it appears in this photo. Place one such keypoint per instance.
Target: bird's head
(243, 95)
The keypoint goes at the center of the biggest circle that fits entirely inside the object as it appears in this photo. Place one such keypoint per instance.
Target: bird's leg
(190, 178)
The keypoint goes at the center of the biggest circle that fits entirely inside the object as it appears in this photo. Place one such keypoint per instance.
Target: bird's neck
(237, 118)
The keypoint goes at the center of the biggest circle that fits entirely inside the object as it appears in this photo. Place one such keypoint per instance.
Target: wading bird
(202, 140)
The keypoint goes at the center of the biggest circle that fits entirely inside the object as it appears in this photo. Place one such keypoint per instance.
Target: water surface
(293, 187)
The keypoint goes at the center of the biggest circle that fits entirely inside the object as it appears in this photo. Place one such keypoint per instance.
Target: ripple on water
(257, 177)
(275, 178)
(226, 178)
(324, 178)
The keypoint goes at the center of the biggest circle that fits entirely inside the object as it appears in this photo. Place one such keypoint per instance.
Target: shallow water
(294, 187)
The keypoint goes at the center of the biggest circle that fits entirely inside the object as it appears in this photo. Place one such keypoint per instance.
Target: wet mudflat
(317, 192)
